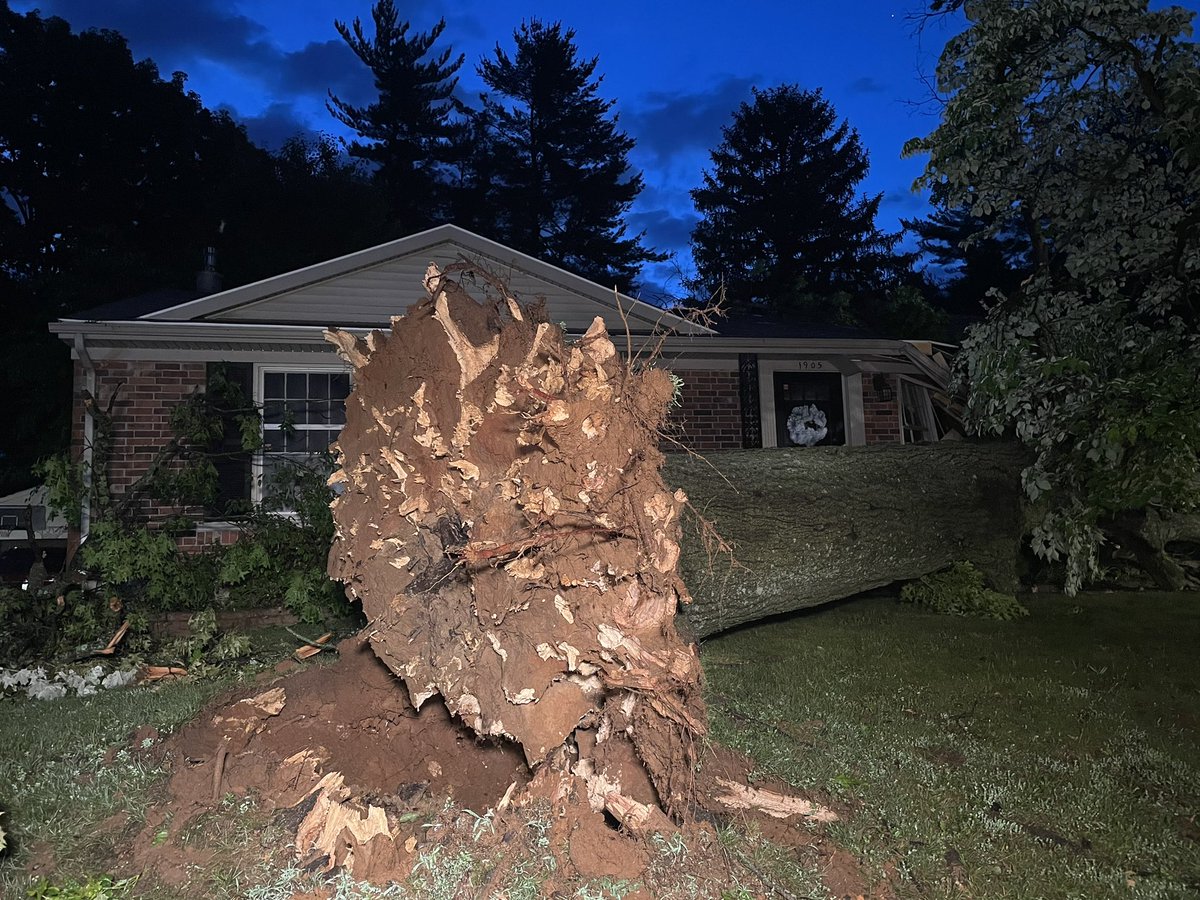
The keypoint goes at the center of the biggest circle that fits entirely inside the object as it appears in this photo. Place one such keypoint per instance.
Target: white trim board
(852, 405)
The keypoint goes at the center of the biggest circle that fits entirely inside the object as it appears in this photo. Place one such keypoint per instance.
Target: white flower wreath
(807, 425)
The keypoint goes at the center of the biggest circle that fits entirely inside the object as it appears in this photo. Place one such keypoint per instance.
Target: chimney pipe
(208, 279)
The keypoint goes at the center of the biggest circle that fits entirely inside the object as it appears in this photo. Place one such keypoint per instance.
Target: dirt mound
(277, 742)
(336, 756)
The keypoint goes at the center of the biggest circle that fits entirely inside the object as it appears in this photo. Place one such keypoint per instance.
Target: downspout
(89, 429)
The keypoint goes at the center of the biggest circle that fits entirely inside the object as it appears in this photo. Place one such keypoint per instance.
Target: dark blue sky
(677, 69)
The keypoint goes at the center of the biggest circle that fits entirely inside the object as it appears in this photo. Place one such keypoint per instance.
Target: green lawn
(1054, 756)
(1057, 756)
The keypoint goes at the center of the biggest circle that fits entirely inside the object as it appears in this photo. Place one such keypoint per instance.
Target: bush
(280, 557)
(959, 591)
(35, 624)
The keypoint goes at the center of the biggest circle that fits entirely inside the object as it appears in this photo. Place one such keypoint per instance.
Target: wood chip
(779, 806)
(304, 652)
(159, 673)
(116, 639)
(331, 818)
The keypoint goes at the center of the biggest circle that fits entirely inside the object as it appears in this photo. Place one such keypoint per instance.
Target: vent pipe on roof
(208, 279)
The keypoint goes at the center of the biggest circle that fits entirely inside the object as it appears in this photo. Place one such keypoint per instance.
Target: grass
(66, 765)
(1053, 756)
(1056, 756)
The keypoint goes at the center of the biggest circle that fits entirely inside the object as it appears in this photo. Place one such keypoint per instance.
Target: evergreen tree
(973, 254)
(472, 174)
(560, 177)
(781, 220)
(406, 132)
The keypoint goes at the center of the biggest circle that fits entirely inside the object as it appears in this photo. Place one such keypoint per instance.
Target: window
(808, 409)
(917, 412)
(303, 413)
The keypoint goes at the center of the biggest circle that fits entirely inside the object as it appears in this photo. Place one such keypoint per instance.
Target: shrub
(959, 591)
(279, 559)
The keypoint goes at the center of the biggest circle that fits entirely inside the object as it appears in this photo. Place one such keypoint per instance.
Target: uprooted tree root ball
(503, 522)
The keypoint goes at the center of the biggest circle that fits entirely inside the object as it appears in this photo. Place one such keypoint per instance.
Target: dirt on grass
(357, 780)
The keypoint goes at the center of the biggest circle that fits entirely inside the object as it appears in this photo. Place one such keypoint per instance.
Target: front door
(809, 410)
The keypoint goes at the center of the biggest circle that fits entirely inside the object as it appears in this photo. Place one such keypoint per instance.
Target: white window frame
(257, 466)
(928, 416)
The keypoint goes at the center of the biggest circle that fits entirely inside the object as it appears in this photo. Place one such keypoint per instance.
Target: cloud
(869, 85)
(665, 230)
(324, 66)
(198, 29)
(274, 125)
(668, 122)
(902, 200)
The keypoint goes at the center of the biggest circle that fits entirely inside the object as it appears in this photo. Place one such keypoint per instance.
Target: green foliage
(959, 591)
(560, 182)
(34, 623)
(64, 485)
(97, 887)
(1079, 120)
(283, 556)
(147, 569)
(205, 643)
(279, 558)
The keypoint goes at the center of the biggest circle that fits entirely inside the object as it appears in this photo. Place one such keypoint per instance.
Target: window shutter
(230, 459)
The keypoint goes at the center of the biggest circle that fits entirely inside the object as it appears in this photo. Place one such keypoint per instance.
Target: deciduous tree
(1081, 119)
(112, 181)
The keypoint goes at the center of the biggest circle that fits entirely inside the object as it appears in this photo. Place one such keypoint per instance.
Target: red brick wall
(709, 416)
(881, 416)
(141, 414)
(207, 538)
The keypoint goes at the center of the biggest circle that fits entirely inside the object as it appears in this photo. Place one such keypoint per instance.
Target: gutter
(237, 332)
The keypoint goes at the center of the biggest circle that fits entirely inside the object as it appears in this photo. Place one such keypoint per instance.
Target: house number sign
(814, 365)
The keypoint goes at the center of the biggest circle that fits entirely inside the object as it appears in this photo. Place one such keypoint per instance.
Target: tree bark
(815, 525)
(1145, 535)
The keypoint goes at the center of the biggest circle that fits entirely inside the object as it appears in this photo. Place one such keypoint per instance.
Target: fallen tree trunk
(816, 525)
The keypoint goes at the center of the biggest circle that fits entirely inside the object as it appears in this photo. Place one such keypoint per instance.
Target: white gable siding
(372, 295)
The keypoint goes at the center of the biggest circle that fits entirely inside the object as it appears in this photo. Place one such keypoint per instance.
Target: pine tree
(405, 133)
(781, 219)
(973, 254)
(561, 182)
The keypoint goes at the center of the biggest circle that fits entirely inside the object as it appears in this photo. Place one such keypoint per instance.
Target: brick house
(742, 382)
